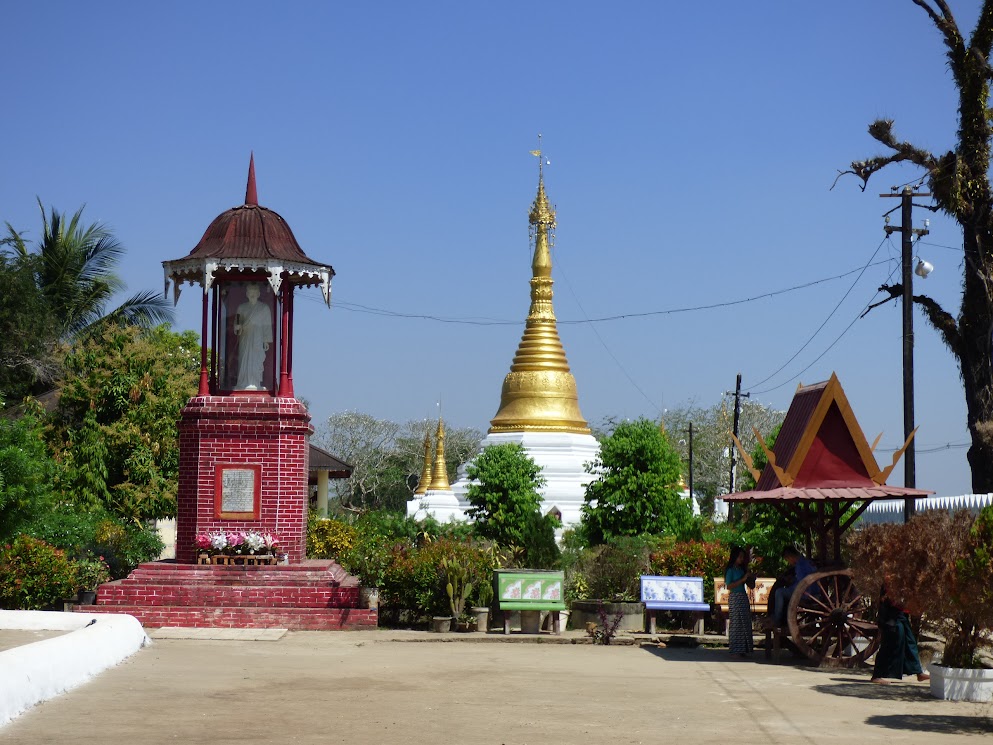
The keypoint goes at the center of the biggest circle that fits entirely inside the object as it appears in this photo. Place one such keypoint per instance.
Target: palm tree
(77, 279)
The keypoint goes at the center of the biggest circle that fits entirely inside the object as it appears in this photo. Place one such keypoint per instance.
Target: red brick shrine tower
(243, 449)
(244, 437)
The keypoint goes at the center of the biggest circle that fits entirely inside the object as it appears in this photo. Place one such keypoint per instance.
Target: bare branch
(881, 130)
(940, 319)
(982, 35)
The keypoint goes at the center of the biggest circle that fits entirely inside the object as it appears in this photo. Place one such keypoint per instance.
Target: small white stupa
(434, 495)
(539, 406)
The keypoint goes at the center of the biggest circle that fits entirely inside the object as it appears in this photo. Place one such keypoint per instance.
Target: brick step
(164, 578)
(207, 595)
(295, 619)
(304, 570)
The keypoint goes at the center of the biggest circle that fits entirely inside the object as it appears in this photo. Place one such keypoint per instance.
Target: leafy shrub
(86, 534)
(612, 571)
(414, 578)
(937, 565)
(91, 573)
(34, 575)
(691, 559)
(329, 538)
(367, 558)
(125, 546)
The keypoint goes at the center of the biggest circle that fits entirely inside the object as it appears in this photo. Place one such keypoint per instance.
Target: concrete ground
(387, 686)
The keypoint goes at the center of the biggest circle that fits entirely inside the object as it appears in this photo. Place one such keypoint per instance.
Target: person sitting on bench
(802, 566)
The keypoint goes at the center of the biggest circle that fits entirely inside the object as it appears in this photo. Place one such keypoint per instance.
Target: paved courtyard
(380, 687)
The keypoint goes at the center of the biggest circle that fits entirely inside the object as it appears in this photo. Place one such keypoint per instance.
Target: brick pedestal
(258, 431)
(315, 595)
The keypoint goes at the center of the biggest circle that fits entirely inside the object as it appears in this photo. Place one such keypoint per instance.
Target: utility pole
(738, 395)
(907, 233)
(691, 459)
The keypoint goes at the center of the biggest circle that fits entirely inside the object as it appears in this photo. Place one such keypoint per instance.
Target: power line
(593, 328)
(931, 448)
(830, 346)
(823, 323)
(483, 321)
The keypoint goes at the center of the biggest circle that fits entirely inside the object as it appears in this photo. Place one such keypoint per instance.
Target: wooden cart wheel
(828, 620)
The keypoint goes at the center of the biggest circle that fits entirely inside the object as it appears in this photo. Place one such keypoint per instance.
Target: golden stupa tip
(439, 474)
(539, 393)
(425, 480)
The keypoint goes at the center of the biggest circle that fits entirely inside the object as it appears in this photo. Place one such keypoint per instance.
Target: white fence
(891, 510)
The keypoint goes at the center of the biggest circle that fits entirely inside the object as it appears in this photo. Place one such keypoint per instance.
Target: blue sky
(692, 148)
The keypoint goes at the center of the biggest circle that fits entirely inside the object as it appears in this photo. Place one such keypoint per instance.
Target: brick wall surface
(244, 429)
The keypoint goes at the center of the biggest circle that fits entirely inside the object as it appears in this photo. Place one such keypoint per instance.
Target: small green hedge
(34, 574)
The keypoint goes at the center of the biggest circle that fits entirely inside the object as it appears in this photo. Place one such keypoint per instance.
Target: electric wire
(830, 346)
(823, 324)
(484, 321)
(575, 297)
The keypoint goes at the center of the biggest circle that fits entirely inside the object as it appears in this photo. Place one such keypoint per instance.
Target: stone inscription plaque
(238, 490)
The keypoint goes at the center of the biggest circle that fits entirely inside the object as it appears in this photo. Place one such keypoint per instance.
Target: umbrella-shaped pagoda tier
(820, 476)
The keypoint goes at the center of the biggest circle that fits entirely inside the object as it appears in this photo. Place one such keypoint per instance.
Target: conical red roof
(249, 238)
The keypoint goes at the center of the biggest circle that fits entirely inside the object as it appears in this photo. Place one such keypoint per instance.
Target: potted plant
(481, 612)
(90, 574)
(609, 577)
(938, 566)
(368, 559)
(457, 585)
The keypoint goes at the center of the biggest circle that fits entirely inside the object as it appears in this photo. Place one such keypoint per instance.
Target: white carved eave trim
(204, 271)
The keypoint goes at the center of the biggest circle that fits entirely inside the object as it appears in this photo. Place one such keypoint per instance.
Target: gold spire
(439, 475)
(539, 393)
(422, 484)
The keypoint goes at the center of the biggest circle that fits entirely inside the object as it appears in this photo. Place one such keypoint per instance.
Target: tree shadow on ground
(860, 687)
(939, 723)
(680, 653)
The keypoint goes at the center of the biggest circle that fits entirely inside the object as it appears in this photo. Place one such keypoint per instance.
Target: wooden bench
(673, 594)
(758, 597)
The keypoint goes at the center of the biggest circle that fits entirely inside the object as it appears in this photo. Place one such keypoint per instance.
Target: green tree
(959, 181)
(26, 471)
(504, 492)
(28, 361)
(114, 430)
(76, 275)
(635, 490)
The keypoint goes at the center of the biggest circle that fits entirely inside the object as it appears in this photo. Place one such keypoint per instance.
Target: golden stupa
(439, 474)
(539, 393)
(425, 480)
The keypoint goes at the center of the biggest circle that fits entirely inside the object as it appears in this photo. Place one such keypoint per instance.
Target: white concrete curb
(42, 670)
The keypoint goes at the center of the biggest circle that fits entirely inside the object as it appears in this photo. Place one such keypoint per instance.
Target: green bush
(86, 534)
(329, 538)
(612, 571)
(691, 559)
(414, 580)
(34, 574)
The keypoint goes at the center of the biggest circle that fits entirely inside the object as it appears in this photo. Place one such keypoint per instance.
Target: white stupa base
(443, 505)
(562, 457)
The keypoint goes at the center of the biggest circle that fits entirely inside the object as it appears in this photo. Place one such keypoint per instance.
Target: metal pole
(691, 460)
(734, 428)
(909, 460)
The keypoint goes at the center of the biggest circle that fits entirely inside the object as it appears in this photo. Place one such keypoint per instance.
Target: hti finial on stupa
(425, 480)
(539, 393)
(439, 474)
(251, 195)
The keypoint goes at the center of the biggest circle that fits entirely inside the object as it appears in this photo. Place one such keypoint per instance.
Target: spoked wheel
(828, 620)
